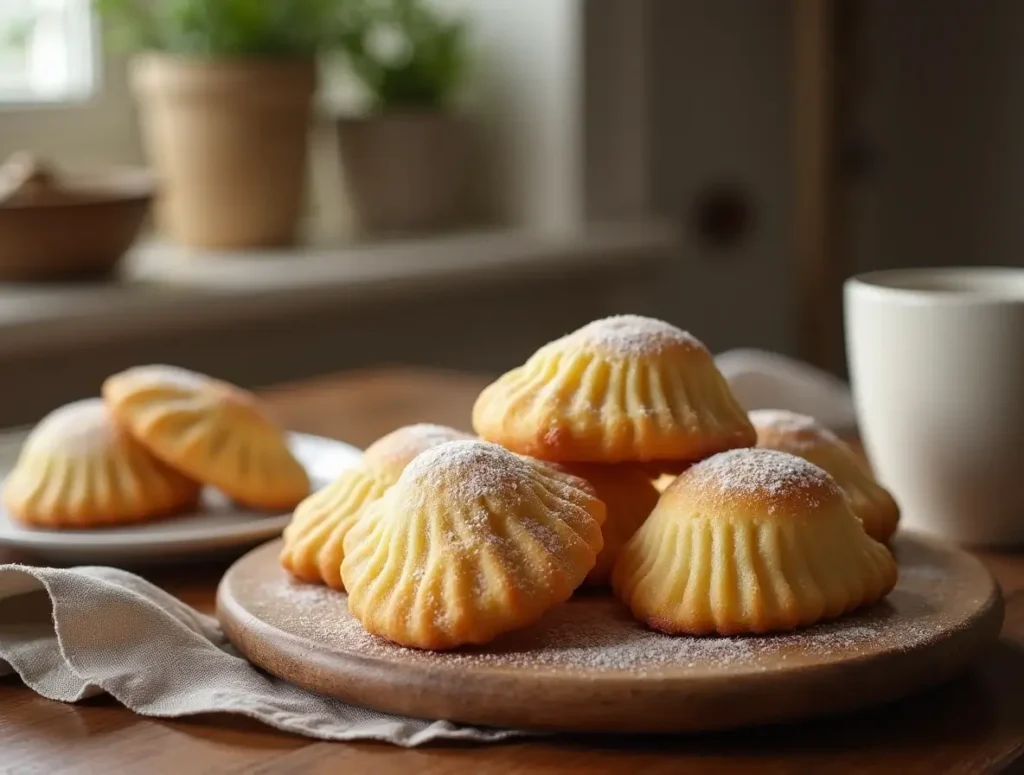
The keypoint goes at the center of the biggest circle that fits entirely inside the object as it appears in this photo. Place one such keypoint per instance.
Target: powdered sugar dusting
(760, 474)
(300, 594)
(174, 375)
(797, 431)
(401, 446)
(468, 470)
(632, 335)
(79, 428)
(594, 633)
(478, 476)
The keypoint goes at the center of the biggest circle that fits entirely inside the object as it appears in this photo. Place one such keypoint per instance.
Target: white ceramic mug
(936, 359)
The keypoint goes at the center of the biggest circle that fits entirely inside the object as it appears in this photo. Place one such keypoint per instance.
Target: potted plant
(224, 89)
(405, 161)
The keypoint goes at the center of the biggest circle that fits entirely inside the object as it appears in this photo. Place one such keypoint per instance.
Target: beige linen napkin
(71, 634)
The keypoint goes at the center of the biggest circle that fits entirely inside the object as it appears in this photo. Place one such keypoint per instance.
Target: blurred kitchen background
(723, 164)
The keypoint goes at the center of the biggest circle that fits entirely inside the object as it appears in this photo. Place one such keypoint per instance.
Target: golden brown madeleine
(622, 389)
(801, 435)
(472, 541)
(211, 431)
(79, 469)
(629, 497)
(751, 541)
(314, 539)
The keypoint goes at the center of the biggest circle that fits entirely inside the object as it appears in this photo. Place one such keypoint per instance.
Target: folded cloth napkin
(765, 380)
(71, 634)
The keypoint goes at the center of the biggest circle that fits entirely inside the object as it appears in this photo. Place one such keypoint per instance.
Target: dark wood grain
(974, 724)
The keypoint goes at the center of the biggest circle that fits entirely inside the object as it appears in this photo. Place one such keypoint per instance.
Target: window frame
(81, 35)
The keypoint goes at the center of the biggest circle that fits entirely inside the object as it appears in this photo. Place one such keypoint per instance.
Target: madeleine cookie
(750, 541)
(629, 497)
(805, 437)
(472, 541)
(211, 431)
(622, 389)
(79, 469)
(314, 539)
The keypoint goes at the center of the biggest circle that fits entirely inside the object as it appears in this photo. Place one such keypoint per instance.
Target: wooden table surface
(975, 724)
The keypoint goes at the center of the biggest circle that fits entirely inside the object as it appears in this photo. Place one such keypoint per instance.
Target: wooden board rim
(743, 695)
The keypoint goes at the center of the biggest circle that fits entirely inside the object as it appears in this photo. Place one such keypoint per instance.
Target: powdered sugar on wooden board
(594, 633)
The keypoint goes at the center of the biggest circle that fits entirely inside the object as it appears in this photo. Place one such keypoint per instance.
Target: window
(47, 51)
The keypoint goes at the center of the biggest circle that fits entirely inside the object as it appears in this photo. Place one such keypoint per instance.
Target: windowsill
(166, 289)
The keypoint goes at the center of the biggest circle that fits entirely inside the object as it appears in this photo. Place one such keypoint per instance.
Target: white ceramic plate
(220, 526)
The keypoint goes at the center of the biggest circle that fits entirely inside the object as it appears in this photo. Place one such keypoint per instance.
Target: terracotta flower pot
(228, 141)
(405, 172)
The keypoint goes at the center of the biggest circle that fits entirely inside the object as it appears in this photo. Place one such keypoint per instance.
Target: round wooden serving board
(587, 666)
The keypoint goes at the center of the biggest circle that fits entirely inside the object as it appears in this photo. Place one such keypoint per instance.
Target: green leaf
(437, 59)
(426, 79)
(224, 28)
